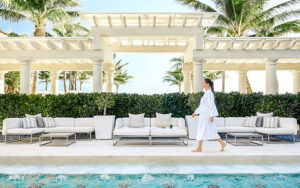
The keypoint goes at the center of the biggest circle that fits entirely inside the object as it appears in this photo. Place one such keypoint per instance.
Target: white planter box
(192, 124)
(104, 127)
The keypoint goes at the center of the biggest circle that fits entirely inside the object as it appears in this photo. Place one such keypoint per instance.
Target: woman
(207, 127)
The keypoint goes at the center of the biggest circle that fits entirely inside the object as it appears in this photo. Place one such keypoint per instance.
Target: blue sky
(148, 69)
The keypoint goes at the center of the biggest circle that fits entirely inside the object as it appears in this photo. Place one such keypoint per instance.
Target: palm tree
(83, 77)
(63, 76)
(239, 18)
(121, 76)
(174, 77)
(70, 29)
(39, 12)
(213, 75)
(44, 76)
(12, 82)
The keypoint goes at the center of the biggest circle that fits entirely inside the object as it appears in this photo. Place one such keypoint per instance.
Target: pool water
(157, 176)
(151, 180)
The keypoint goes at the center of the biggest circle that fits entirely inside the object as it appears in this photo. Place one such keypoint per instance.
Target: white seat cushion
(84, 122)
(289, 123)
(21, 131)
(59, 130)
(157, 131)
(83, 129)
(275, 131)
(127, 131)
(235, 129)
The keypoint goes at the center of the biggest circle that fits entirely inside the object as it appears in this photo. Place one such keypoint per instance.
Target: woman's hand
(193, 115)
(211, 119)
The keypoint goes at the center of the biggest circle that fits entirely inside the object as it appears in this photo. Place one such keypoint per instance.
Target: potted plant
(104, 124)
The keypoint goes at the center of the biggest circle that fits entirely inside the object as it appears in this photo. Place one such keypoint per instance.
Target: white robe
(207, 130)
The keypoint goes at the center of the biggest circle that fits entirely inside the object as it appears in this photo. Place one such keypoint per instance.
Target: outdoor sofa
(13, 127)
(286, 127)
(150, 131)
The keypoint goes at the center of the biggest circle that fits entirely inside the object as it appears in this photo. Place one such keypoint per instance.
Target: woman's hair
(211, 84)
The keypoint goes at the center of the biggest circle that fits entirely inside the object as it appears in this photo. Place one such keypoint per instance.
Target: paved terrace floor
(85, 152)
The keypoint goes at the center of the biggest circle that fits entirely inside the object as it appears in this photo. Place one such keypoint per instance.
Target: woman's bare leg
(199, 148)
(222, 144)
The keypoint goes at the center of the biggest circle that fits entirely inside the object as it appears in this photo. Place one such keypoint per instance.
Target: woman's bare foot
(197, 150)
(223, 145)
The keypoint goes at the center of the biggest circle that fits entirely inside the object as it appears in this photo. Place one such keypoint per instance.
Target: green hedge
(231, 104)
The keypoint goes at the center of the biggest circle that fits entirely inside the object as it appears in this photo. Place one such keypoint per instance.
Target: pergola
(153, 33)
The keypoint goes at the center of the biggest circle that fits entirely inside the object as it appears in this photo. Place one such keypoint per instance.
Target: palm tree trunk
(46, 84)
(248, 85)
(179, 86)
(65, 82)
(223, 81)
(117, 88)
(70, 81)
(75, 80)
(34, 82)
(81, 85)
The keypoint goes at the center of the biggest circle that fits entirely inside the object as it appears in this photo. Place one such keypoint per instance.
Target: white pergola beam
(246, 54)
(54, 54)
(147, 31)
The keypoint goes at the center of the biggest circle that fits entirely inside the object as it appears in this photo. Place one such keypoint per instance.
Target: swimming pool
(212, 176)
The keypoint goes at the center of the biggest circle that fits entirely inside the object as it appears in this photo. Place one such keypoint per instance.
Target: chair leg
(5, 139)
(31, 139)
(90, 135)
(150, 141)
(268, 138)
(294, 139)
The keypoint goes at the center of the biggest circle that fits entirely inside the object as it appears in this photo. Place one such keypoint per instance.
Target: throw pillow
(270, 122)
(49, 122)
(264, 114)
(250, 121)
(29, 123)
(163, 120)
(38, 118)
(259, 121)
(136, 120)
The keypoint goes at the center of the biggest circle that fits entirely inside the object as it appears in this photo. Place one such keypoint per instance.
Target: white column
(271, 85)
(25, 78)
(109, 81)
(97, 75)
(109, 70)
(296, 86)
(54, 81)
(187, 69)
(2, 83)
(198, 76)
(242, 81)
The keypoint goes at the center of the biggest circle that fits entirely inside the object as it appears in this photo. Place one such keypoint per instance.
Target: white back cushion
(136, 120)
(11, 123)
(84, 122)
(125, 122)
(64, 122)
(174, 122)
(288, 123)
(234, 121)
(163, 119)
(264, 114)
(220, 121)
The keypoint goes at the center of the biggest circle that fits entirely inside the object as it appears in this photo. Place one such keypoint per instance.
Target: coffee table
(245, 139)
(47, 139)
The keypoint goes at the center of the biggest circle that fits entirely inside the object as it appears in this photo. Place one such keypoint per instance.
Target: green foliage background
(231, 104)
